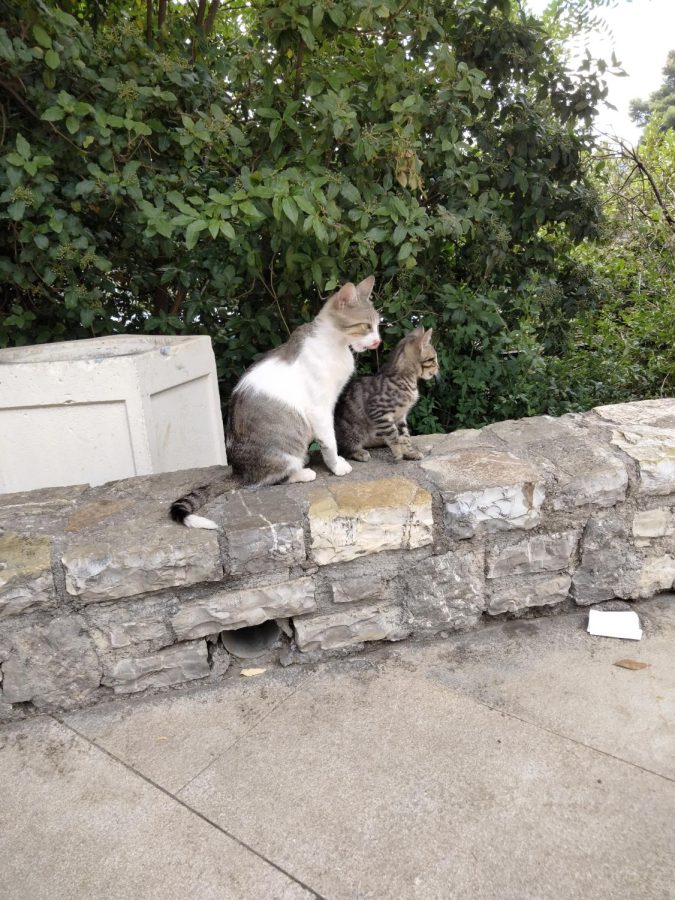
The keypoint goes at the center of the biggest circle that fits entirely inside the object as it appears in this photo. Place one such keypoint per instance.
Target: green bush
(226, 183)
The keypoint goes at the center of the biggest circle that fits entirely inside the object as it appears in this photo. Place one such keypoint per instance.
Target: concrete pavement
(514, 762)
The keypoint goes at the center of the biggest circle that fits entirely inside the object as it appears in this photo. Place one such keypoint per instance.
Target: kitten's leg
(359, 455)
(324, 432)
(387, 432)
(409, 451)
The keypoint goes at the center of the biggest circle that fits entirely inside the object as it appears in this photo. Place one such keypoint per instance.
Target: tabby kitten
(287, 398)
(372, 410)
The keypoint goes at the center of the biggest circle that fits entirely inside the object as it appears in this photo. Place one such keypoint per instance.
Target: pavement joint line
(190, 809)
(242, 735)
(558, 734)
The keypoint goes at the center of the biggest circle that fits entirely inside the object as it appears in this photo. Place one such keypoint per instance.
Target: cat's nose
(376, 343)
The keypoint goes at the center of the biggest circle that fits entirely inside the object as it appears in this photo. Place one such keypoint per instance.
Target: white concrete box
(107, 408)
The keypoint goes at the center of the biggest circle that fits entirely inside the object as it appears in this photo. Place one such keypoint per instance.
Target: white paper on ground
(607, 623)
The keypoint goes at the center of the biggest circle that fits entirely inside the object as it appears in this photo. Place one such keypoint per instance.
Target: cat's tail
(183, 510)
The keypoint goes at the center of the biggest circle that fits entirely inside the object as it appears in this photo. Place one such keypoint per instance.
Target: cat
(372, 410)
(286, 399)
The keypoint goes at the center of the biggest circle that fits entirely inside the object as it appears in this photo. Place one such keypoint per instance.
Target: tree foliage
(163, 172)
(621, 347)
(661, 102)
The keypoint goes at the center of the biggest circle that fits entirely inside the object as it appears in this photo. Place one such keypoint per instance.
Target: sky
(643, 31)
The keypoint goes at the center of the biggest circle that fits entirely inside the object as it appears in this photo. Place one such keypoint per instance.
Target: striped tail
(183, 509)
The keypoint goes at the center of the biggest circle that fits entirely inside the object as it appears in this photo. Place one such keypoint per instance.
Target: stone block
(263, 531)
(353, 588)
(649, 524)
(139, 558)
(653, 449)
(526, 592)
(39, 512)
(26, 580)
(539, 553)
(609, 562)
(353, 519)
(128, 624)
(174, 665)
(51, 665)
(354, 625)
(446, 593)
(585, 473)
(228, 610)
(486, 490)
(656, 574)
(657, 413)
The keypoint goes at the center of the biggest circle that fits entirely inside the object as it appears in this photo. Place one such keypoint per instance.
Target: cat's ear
(346, 296)
(427, 335)
(365, 288)
(418, 334)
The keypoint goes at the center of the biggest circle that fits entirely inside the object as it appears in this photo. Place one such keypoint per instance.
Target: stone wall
(101, 594)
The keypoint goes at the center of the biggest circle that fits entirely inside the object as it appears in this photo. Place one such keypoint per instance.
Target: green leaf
(376, 234)
(290, 209)
(41, 240)
(6, 46)
(16, 210)
(52, 59)
(53, 114)
(22, 146)
(214, 228)
(350, 192)
(42, 37)
(227, 230)
(72, 124)
(193, 231)
(275, 128)
(266, 112)
(15, 160)
(404, 252)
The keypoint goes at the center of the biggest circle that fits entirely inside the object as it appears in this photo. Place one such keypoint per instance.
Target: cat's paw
(360, 455)
(341, 467)
(413, 454)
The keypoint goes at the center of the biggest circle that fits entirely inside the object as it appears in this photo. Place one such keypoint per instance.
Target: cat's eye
(360, 328)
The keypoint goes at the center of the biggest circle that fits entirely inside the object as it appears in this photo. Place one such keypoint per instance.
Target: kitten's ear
(418, 334)
(427, 336)
(365, 288)
(346, 296)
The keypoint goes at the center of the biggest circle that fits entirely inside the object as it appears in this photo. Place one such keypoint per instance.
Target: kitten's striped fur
(373, 409)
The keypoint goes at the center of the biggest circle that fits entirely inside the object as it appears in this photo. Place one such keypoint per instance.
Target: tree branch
(149, 13)
(211, 17)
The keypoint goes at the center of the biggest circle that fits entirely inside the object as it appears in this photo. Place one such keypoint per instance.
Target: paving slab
(77, 825)
(170, 738)
(383, 782)
(551, 673)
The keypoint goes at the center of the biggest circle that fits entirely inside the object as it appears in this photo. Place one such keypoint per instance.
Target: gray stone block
(51, 665)
(527, 592)
(228, 610)
(174, 665)
(130, 623)
(653, 450)
(486, 490)
(263, 531)
(649, 524)
(138, 558)
(539, 553)
(26, 580)
(609, 562)
(352, 589)
(354, 625)
(446, 593)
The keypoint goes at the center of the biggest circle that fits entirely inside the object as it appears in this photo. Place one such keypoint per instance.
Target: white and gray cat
(287, 399)
(373, 409)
